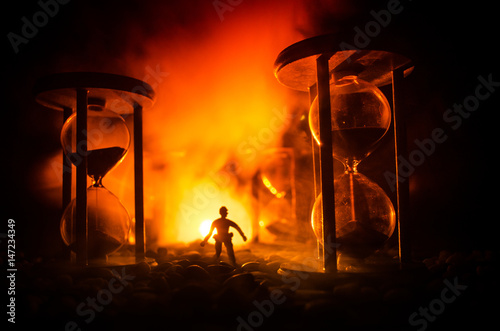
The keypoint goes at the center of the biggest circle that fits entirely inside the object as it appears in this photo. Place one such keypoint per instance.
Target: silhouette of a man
(223, 235)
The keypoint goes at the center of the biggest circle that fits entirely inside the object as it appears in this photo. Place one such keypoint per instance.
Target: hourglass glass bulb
(361, 116)
(108, 223)
(108, 140)
(364, 215)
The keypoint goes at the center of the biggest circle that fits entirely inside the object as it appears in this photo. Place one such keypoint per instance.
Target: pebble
(273, 278)
(430, 262)
(216, 270)
(162, 255)
(176, 268)
(64, 282)
(191, 287)
(99, 273)
(152, 254)
(160, 284)
(184, 263)
(191, 301)
(244, 282)
(95, 283)
(310, 295)
(275, 258)
(438, 269)
(456, 259)
(144, 302)
(398, 296)
(195, 272)
(191, 256)
(164, 266)
(349, 291)
(369, 294)
(270, 267)
(175, 279)
(141, 284)
(250, 266)
(231, 301)
(142, 269)
(328, 311)
(226, 264)
(444, 255)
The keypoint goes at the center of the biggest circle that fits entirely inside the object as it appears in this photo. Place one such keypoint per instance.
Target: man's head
(223, 211)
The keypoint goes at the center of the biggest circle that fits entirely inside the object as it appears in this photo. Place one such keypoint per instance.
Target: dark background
(454, 192)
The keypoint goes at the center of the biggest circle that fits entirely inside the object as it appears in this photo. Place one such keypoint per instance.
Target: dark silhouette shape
(223, 235)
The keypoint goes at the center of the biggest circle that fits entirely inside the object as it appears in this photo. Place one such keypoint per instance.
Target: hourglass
(108, 140)
(349, 115)
(364, 214)
(95, 139)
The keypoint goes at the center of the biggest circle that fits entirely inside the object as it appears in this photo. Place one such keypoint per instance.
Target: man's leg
(218, 249)
(230, 252)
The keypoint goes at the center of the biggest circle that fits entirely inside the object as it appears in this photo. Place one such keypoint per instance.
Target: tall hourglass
(108, 140)
(364, 214)
(349, 116)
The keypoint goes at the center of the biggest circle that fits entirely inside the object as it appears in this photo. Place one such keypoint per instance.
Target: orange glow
(131, 233)
(205, 228)
(218, 108)
(197, 212)
(220, 105)
(272, 189)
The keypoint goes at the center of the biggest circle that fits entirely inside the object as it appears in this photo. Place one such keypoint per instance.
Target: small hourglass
(108, 142)
(364, 214)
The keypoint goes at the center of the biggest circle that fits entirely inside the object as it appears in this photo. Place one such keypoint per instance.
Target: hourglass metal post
(326, 164)
(81, 177)
(66, 179)
(139, 185)
(402, 188)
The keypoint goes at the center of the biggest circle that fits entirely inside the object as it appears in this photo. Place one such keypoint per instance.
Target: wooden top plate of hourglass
(295, 66)
(120, 93)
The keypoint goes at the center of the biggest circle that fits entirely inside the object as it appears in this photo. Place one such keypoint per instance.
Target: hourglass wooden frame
(71, 92)
(307, 66)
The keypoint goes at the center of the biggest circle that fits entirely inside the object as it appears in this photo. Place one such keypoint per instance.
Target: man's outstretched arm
(234, 225)
(212, 228)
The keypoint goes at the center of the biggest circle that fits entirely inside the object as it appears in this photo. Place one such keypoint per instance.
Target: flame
(205, 228)
(131, 234)
(198, 210)
(218, 108)
(267, 183)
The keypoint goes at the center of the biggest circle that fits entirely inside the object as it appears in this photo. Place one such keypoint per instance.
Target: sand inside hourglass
(355, 142)
(359, 239)
(99, 244)
(100, 161)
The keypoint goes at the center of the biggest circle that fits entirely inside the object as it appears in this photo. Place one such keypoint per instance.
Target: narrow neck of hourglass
(351, 165)
(97, 181)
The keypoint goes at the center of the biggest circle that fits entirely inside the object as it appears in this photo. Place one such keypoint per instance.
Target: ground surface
(188, 290)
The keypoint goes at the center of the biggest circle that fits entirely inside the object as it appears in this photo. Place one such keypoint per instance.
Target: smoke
(218, 107)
